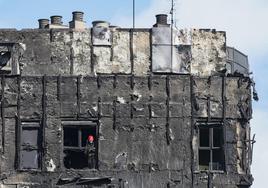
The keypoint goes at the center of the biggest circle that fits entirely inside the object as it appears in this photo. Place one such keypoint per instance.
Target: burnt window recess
(5, 59)
(8, 63)
(243, 186)
(211, 153)
(80, 144)
(30, 146)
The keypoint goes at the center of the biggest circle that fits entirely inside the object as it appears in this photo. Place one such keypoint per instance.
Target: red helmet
(90, 138)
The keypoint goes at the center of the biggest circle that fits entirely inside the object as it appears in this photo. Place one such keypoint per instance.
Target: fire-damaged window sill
(78, 170)
(210, 171)
(85, 181)
(30, 170)
(71, 170)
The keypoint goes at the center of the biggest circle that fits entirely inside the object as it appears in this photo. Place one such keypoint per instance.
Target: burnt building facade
(117, 107)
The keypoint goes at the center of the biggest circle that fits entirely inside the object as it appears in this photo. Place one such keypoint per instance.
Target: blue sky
(245, 22)
(25, 13)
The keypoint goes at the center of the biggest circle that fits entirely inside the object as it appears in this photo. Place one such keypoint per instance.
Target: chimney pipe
(78, 16)
(100, 23)
(161, 19)
(43, 23)
(56, 20)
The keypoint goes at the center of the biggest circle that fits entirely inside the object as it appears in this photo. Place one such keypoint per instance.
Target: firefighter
(90, 152)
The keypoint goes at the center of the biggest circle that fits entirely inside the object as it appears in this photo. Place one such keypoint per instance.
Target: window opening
(5, 57)
(211, 155)
(80, 146)
(243, 186)
(30, 146)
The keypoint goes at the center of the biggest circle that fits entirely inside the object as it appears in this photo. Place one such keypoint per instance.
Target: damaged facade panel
(238, 98)
(112, 107)
(168, 54)
(105, 50)
(138, 140)
(81, 52)
(142, 51)
(208, 52)
(208, 100)
(61, 52)
(121, 52)
(116, 58)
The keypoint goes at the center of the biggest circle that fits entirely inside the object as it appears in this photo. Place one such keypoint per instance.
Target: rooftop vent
(161, 20)
(56, 20)
(78, 16)
(77, 23)
(100, 23)
(43, 23)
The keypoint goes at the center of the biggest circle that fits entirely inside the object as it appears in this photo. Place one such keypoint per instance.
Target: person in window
(90, 152)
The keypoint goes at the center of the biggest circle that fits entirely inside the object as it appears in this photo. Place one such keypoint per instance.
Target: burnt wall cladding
(62, 102)
(52, 52)
(208, 94)
(213, 94)
(70, 52)
(238, 98)
(133, 118)
(123, 51)
(218, 180)
(208, 52)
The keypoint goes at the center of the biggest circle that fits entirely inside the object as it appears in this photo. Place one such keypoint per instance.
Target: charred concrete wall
(149, 98)
(147, 128)
(119, 51)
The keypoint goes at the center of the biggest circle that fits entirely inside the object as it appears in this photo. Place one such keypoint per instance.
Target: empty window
(80, 145)
(243, 186)
(211, 155)
(5, 57)
(30, 146)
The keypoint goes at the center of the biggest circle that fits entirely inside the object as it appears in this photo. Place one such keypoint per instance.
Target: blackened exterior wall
(147, 122)
(152, 120)
(122, 51)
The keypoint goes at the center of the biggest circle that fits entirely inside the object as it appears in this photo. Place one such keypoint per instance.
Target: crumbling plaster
(146, 122)
(72, 52)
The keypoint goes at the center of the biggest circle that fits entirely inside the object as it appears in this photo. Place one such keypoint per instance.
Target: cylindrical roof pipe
(78, 16)
(56, 20)
(43, 23)
(161, 19)
(100, 23)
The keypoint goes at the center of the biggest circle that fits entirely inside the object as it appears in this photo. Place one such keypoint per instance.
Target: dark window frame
(211, 148)
(12, 66)
(31, 125)
(79, 125)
